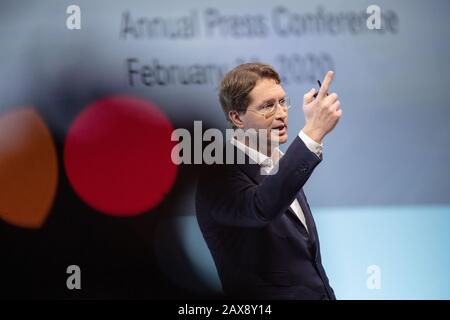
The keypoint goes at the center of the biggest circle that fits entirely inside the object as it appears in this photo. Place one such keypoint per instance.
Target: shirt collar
(256, 156)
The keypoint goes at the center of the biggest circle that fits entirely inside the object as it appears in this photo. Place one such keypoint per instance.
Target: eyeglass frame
(287, 105)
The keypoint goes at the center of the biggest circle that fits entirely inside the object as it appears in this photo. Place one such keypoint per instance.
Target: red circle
(117, 155)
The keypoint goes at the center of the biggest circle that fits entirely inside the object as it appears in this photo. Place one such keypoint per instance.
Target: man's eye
(282, 101)
(268, 106)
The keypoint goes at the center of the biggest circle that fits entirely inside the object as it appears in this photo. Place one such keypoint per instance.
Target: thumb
(308, 97)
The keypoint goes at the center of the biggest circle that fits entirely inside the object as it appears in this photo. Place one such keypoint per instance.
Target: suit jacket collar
(249, 167)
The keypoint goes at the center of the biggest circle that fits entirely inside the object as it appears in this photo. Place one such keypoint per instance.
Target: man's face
(266, 91)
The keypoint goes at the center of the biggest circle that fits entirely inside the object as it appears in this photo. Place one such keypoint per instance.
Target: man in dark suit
(254, 216)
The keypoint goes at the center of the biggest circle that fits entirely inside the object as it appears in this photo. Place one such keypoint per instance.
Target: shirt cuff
(312, 145)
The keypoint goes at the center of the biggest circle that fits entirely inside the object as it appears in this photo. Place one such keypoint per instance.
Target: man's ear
(235, 118)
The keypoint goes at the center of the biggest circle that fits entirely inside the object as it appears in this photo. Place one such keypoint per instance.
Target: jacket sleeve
(233, 199)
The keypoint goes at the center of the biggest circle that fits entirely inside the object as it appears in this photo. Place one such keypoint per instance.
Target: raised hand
(322, 111)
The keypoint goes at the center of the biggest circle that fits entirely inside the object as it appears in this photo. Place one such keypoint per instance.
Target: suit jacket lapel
(297, 221)
(252, 170)
(301, 198)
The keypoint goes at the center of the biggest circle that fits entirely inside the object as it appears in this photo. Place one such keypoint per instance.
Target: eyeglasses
(269, 109)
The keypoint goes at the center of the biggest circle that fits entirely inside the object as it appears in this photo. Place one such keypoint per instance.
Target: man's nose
(281, 112)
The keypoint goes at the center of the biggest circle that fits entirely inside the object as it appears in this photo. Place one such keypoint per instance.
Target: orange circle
(28, 168)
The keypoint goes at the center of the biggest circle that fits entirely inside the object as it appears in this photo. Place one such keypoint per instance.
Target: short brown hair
(237, 84)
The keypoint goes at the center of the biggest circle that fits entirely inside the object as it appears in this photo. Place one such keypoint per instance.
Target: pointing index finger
(326, 84)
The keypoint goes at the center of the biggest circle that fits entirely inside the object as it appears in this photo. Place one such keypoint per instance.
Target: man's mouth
(281, 129)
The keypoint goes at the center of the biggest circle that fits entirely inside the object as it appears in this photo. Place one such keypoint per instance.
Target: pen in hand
(320, 85)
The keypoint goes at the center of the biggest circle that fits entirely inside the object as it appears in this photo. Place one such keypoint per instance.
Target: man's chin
(280, 139)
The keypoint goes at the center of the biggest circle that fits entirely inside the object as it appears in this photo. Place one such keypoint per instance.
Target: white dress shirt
(268, 163)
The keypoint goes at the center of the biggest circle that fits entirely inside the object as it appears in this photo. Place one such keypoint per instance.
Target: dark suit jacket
(260, 247)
